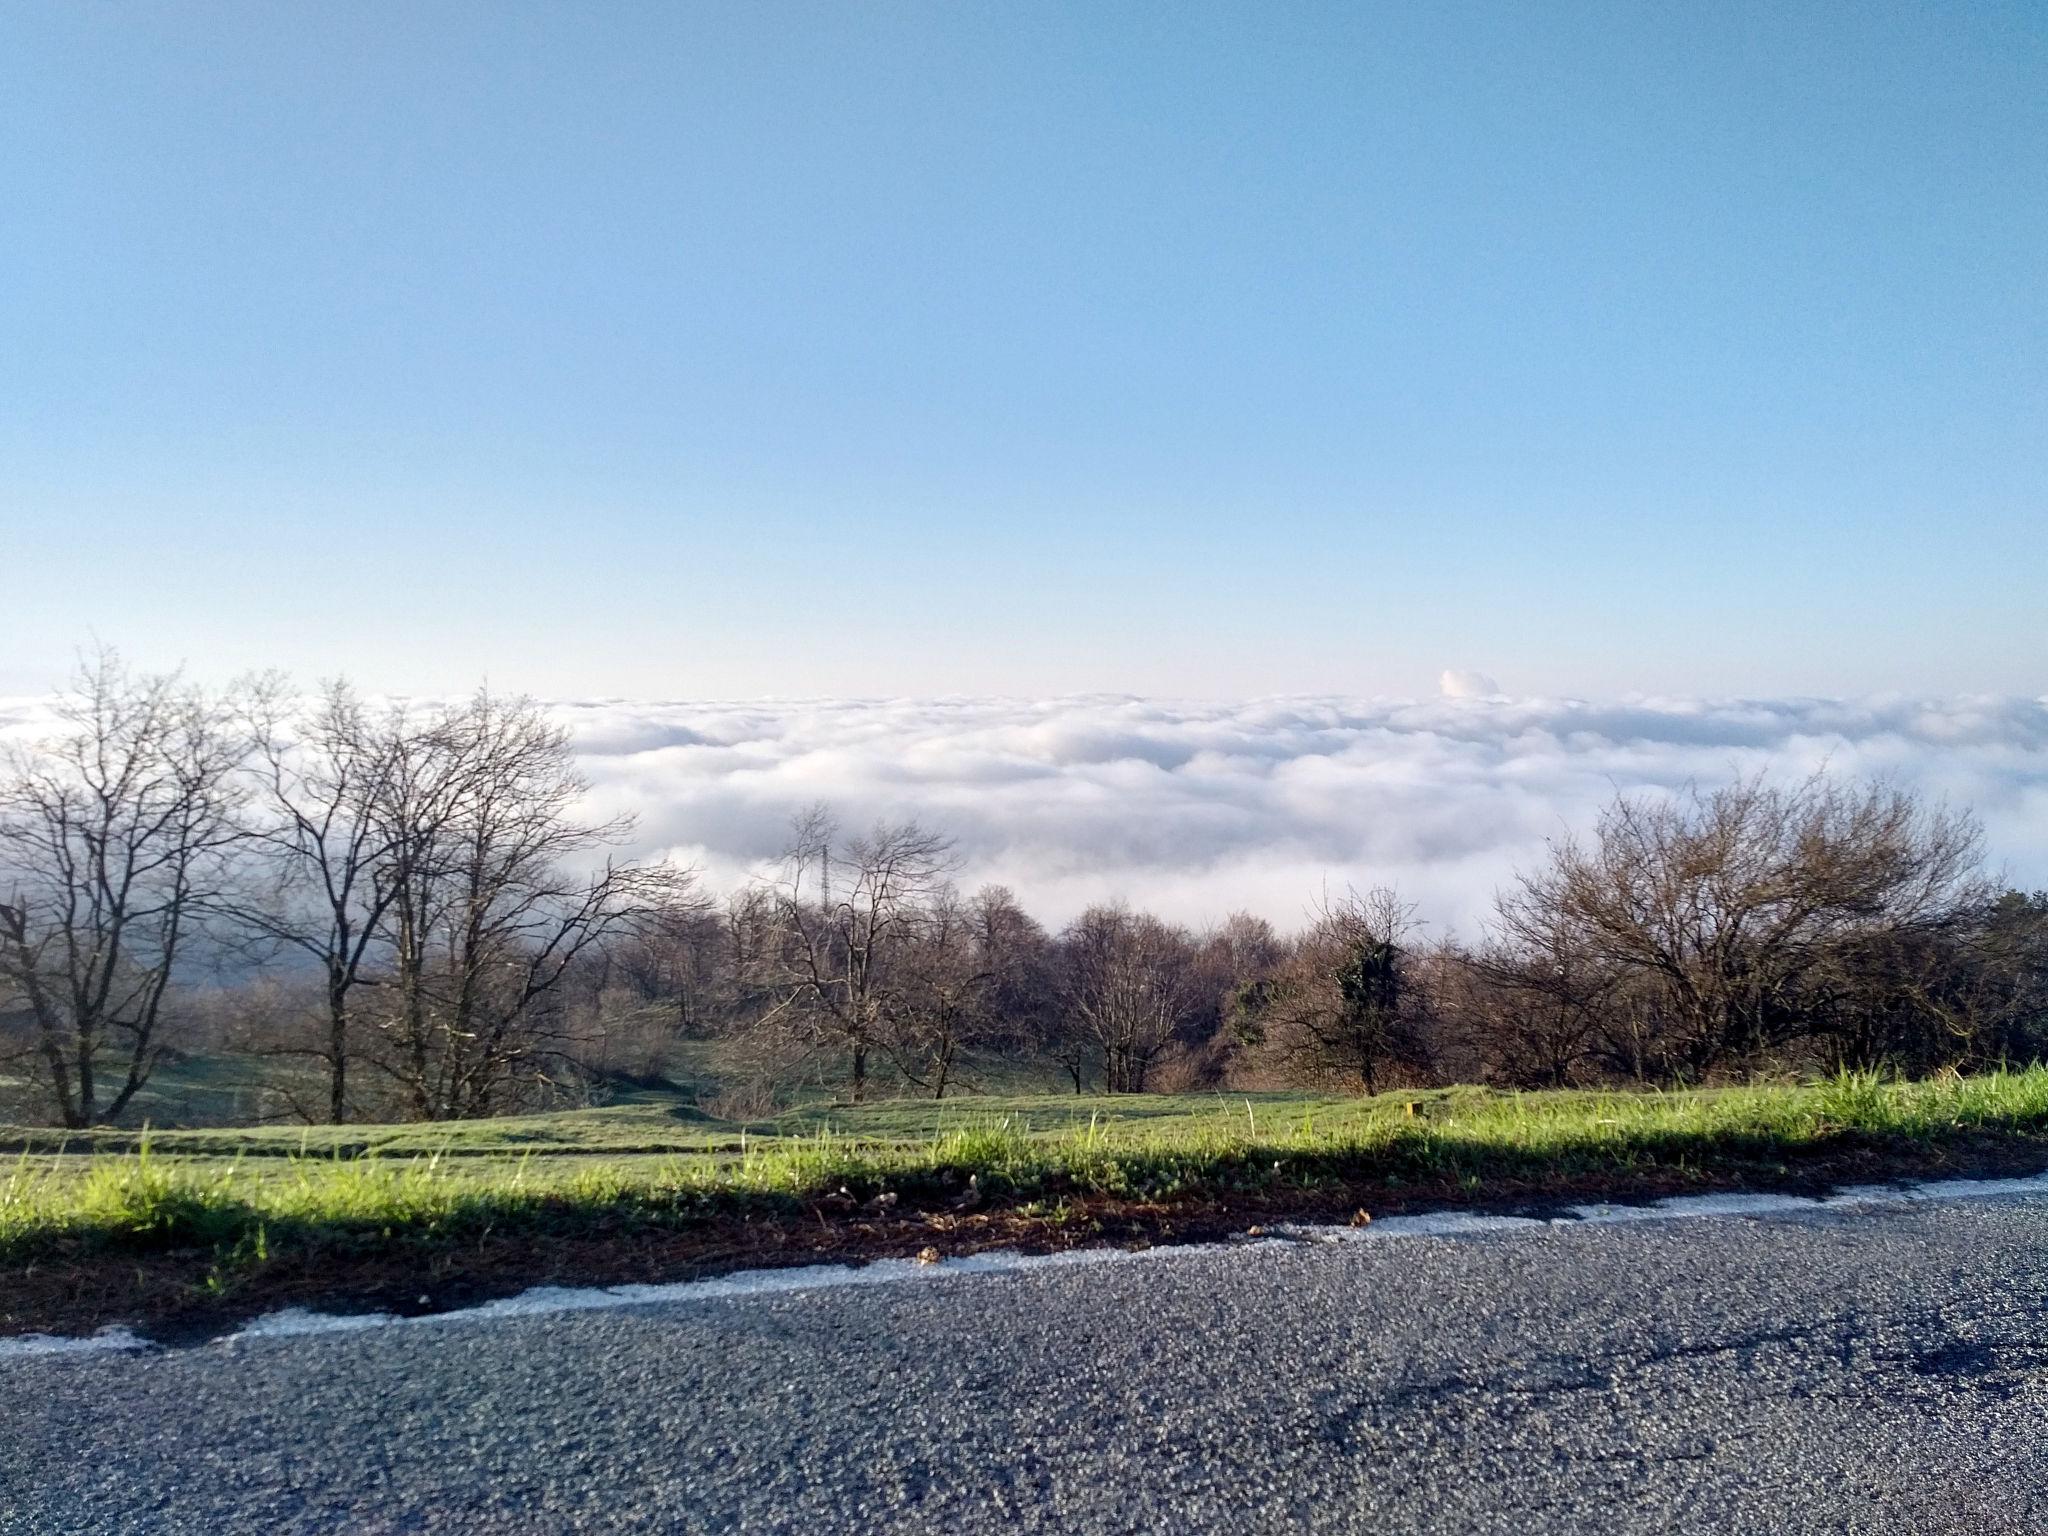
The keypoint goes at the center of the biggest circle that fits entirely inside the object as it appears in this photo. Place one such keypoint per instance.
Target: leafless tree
(1018, 955)
(1542, 1012)
(754, 957)
(1718, 911)
(1236, 963)
(1965, 993)
(322, 844)
(113, 837)
(1128, 982)
(494, 901)
(944, 993)
(2010, 942)
(845, 913)
(680, 960)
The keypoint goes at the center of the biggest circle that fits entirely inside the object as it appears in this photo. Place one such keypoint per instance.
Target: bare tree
(1717, 912)
(680, 961)
(493, 901)
(944, 993)
(1964, 993)
(1236, 963)
(112, 843)
(1128, 982)
(1015, 950)
(845, 915)
(753, 957)
(2010, 941)
(1542, 1011)
(323, 845)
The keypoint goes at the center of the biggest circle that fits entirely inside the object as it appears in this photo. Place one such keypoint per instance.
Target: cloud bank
(1199, 809)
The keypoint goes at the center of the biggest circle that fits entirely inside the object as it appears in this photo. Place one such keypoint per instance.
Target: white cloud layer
(1199, 809)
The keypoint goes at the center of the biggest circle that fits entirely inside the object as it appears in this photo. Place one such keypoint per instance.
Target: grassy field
(219, 1091)
(658, 1123)
(526, 1196)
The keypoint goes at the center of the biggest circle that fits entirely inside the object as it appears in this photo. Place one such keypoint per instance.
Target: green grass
(242, 1197)
(228, 1091)
(650, 1122)
(196, 1089)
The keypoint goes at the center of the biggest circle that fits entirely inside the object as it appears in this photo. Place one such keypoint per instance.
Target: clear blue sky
(685, 349)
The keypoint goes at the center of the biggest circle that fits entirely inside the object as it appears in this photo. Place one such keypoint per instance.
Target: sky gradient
(713, 351)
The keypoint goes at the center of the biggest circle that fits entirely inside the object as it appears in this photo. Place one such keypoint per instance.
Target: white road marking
(108, 1341)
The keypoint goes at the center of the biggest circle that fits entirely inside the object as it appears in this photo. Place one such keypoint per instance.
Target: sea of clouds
(1200, 809)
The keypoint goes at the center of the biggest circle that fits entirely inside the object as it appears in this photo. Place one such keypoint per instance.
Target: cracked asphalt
(1882, 1369)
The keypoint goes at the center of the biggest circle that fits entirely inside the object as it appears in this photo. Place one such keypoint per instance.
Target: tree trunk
(86, 1096)
(337, 1052)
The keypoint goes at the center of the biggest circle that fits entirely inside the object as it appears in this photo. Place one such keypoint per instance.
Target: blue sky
(692, 350)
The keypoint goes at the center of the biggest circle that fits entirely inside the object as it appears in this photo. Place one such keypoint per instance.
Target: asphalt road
(1882, 1369)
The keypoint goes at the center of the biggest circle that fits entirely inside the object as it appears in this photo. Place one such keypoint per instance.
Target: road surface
(1877, 1369)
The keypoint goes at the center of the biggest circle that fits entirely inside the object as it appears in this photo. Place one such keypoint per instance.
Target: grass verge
(196, 1239)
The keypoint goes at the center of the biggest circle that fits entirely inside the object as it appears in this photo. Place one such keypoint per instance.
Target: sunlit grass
(242, 1209)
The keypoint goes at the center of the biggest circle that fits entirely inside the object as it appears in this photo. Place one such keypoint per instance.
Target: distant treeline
(419, 921)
